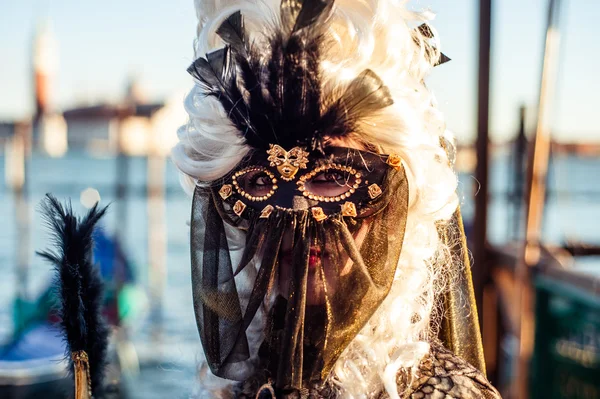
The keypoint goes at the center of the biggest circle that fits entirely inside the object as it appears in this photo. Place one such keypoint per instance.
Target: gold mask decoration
(287, 162)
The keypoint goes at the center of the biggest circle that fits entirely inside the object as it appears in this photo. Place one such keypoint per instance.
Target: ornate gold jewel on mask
(349, 209)
(287, 162)
(394, 161)
(374, 191)
(266, 212)
(239, 207)
(226, 191)
(318, 213)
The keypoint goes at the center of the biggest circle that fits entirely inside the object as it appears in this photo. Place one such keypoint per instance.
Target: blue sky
(103, 44)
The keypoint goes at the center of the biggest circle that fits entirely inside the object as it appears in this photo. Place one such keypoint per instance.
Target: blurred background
(91, 96)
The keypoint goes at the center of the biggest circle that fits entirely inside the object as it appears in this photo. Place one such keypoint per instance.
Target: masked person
(328, 258)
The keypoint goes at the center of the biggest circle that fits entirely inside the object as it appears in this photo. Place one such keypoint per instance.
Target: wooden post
(479, 237)
(537, 172)
(16, 170)
(157, 237)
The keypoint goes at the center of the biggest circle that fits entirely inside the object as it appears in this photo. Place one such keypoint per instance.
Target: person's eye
(330, 183)
(329, 177)
(255, 183)
(260, 181)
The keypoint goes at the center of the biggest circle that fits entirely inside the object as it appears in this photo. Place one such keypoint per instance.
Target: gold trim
(247, 195)
(332, 166)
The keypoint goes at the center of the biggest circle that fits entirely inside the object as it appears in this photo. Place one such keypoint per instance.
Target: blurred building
(49, 128)
(133, 126)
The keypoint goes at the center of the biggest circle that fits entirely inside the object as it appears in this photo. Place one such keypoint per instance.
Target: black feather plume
(274, 95)
(233, 33)
(79, 283)
(363, 96)
(299, 14)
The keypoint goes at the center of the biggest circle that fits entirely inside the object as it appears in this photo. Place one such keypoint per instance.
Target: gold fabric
(459, 331)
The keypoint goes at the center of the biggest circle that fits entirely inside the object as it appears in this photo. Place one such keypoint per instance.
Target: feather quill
(79, 284)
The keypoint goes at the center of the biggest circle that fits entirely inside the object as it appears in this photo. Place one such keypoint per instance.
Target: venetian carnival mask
(323, 225)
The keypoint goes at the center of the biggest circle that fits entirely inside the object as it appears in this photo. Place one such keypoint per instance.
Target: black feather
(299, 14)
(274, 95)
(233, 33)
(79, 283)
(363, 96)
(217, 74)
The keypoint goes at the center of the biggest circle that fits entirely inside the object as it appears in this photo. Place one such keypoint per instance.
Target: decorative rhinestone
(349, 209)
(226, 191)
(266, 212)
(374, 191)
(394, 161)
(318, 214)
(239, 207)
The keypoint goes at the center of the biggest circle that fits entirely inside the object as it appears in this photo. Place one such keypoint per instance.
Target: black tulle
(327, 300)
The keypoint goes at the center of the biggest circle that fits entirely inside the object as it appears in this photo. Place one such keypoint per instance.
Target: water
(168, 370)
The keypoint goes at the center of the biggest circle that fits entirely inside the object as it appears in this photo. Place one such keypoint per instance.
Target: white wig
(379, 35)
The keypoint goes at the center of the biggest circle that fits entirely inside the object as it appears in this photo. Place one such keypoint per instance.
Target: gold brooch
(239, 207)
(374, 191)
(318, 214)
(266, 212)
(394, 161)
(287, 162)
(349, 209)
(226, 191)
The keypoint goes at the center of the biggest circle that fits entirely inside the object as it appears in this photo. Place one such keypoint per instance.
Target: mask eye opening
(328, 190)
(263, 180)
